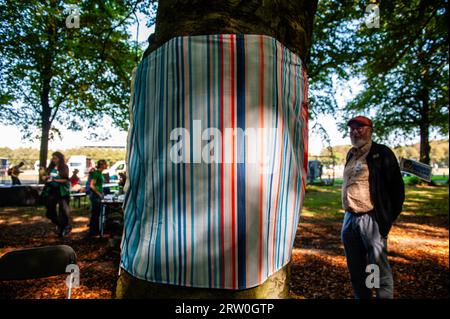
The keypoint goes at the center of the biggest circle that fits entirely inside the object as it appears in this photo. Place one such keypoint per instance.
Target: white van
(80, 162)
(116, 168)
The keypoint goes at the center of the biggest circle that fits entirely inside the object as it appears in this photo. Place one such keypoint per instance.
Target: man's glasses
(358, 129)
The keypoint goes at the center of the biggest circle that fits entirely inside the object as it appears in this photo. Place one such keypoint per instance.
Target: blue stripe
(290, 162)
(191, 166)
(179, 105)
(151, 109)
(166, 160)
(174, 188)
(275, 98)
(160, 186)
(208, 85)
(183, 183)
(283, 165)
(140, 171)
(241, 161)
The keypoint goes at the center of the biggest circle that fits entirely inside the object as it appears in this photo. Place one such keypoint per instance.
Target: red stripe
(233, 167)
(305, 121)
(261, 124)
(222, 248)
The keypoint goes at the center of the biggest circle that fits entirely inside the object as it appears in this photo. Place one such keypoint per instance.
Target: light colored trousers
(364, 245)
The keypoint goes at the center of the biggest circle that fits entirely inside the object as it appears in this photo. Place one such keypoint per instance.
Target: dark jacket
(387, 189)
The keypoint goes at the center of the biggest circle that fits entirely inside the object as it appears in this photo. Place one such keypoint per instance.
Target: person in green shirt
(57, 193)
(95, 195)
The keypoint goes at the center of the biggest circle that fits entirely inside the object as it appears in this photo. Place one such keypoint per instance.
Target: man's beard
(359, 141)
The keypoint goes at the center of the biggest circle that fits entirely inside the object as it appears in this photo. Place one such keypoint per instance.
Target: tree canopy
(53, 71)
(402, 62)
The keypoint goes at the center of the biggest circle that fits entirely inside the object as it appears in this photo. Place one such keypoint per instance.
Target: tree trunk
(425, 148)
(43, 149)
(46, 77)
(45, 120)
(290, 22)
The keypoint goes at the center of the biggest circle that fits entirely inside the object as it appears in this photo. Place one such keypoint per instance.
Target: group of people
(57, 192)
(59, 186)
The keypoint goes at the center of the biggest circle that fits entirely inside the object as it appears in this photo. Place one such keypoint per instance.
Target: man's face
(360, 135)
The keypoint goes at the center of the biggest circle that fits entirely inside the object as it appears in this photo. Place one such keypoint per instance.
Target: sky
(71, 139)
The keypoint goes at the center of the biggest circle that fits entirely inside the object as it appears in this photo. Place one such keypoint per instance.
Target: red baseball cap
(361, 120)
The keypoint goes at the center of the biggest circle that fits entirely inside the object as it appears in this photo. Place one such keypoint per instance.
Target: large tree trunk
(290, 22)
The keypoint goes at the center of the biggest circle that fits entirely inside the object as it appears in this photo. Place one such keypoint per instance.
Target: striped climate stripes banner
(205, 208)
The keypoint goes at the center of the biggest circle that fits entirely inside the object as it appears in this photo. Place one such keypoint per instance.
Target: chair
(41, 262)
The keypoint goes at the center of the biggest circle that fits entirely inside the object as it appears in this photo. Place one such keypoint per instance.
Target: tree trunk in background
(45, 126)
(290, 22)
(43, 150)
(46, 78)
(425, 147)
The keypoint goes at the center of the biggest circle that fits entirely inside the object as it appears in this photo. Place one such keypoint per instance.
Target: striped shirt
(204, 208)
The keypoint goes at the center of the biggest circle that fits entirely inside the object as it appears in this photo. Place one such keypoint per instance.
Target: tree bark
(425, 147)
(45, 119)
(43, 148)
(290, 22)
(424, 127)
(46, 77)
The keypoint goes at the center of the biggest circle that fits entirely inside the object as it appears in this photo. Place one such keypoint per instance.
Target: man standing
(96, 195)
(372, 197)
(14, 172)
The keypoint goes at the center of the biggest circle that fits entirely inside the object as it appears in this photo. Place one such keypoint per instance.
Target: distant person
(372, 197)
(88, 182)
(75, 182)
(122, 179)
(57, 193)
(14, 172)
(96, 195)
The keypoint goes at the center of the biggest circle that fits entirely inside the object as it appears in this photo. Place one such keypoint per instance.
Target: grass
(419, 200)
(408, 179)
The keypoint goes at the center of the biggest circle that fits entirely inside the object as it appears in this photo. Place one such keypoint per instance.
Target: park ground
(418, 248)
